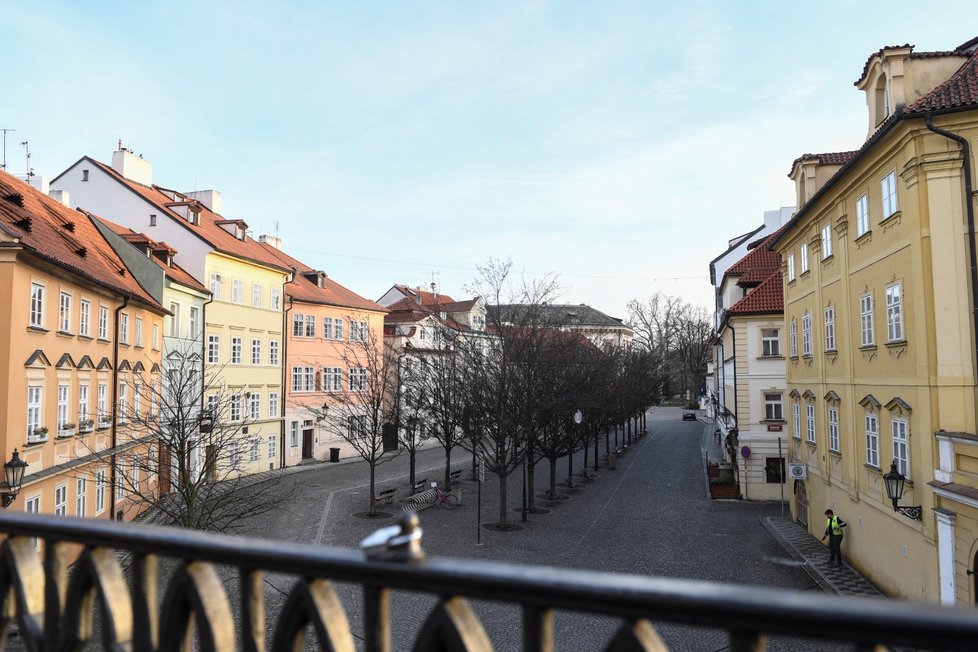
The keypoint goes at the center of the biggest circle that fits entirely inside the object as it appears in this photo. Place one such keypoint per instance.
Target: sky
(618, 145)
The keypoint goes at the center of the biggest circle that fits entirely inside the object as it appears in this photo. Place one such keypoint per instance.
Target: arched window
(882, 99)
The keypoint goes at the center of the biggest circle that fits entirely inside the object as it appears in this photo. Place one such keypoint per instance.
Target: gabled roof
(173, 271)
(827, 158)
(331, 294)
(557, 315)
(209, 230)
(768, 297)
(64, 237)
(756, 266)
(424, 297)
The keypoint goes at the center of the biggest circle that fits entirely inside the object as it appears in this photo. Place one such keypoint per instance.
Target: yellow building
(881, 328)
(241, 325)
(79, 334)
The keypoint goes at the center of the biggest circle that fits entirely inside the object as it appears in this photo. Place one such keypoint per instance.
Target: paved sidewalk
(806, 548)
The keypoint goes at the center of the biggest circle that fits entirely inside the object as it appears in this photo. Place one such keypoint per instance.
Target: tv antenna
(27, 155)
(5, 131)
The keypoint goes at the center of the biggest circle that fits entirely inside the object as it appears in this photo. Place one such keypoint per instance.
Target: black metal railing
(54, 604)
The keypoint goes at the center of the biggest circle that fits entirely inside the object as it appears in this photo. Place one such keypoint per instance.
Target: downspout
(283, 361)
(203, 386)
(735, 430)
(969, 208)
(115, 403)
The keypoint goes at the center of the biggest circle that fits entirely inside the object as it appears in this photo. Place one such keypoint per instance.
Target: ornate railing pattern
(54, 608)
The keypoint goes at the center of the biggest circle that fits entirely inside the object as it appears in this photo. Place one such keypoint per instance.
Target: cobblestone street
(650, 516)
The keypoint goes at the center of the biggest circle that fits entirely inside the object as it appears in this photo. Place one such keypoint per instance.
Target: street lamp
(13, 472)
(894, 481)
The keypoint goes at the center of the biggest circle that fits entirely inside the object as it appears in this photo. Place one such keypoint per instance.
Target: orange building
(327, 326)
(79, 338)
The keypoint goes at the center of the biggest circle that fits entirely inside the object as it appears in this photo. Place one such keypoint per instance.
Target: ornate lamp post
(13, 472)
(894, 482)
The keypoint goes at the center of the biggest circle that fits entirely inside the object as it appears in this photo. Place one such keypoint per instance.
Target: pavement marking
(329, 499)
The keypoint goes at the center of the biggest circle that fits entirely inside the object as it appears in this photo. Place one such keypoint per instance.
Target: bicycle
(444, 498)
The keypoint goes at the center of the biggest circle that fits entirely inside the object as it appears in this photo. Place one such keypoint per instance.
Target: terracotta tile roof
(209, 228)
(829, 158)
(407, 311)
(757, 265)
(304, 289)
(173, 271)
(960, 91)
(768, 297)
(64, 237)
(957, 52)
(458, 306)
(556, 315)
(427, 298)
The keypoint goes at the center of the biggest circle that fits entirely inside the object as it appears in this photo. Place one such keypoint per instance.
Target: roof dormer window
(240, 233)
(882, 100)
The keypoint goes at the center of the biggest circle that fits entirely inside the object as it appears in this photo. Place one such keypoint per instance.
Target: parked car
(689, 416)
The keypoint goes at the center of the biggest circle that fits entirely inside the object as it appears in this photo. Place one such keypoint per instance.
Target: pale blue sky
(619, 144)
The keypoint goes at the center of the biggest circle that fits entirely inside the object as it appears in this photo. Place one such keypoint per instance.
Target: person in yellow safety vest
(833, 530)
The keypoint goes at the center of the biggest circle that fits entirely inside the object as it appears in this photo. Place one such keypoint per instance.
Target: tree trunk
(373, 488)
(412, 452)
(503, 521)
(553, 477)
(448, 465)
(531, 499)
(570, 467)
(597, 438)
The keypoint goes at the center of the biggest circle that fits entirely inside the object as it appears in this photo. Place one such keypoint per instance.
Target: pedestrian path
(802, 546)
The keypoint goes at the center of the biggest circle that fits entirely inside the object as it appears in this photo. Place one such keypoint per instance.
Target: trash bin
(334, 455)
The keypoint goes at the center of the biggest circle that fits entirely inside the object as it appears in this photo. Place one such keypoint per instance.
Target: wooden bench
(419, 486)
(385, 496)
(455, 477)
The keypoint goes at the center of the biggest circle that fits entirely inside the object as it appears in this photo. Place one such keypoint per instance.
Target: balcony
(54, 606)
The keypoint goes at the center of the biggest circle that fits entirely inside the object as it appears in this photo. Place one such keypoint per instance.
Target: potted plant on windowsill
(104, 422)
(85, 426)
(39, 435)
(66, 429)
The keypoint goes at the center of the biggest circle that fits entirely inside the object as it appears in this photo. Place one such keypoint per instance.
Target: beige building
(879, 271)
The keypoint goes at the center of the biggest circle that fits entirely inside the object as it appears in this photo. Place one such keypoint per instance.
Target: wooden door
(307, 444)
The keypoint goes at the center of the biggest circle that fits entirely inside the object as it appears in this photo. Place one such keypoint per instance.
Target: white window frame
(791, 267)
(888, 190)
(120, 480)
(156, 337)
(64, 400)
(64, 312)
(272, 446)
(272, 405)
(35, 412)
(901, 445)
(216, 285)
(135, 473)
(298, 324)
(771, 342)
(102, 405)
(82, 403)
(237, 291)
(806, 334)
(122, 401)
(294, 434)
(773, 406)
(85, 318)
(81, 497)
(256, 294)
(894, 313)
(358, 379)
(194, 322)
(803, 256)
(235, 407)
(61, 499)
(254, 403)
(327, 328)
(273, 353)
(103, 323)
(99, 491)
(310, 326)
(826, 241)
(834, 428)
(174, 319)
(235, 350)
(810, 422)
(796, 419)
(830, 328)
(862, 215)
(872, 440)
(139, 331)
(793, 337)
(213, 349)
(276, 299)
(124, 328)
(37, 305)
(867, 331)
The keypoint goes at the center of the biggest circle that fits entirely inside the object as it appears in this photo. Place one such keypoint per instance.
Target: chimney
(131, 166)
(271, 241)
(209, 198)
(60, 196)
(40, 183)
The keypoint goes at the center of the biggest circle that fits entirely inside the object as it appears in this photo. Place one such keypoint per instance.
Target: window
(273, 405)
(32, 506)
(894, 313)
(84, 175)
(294, 434)
(770, 343)
(62, 407)
(135, 473)
(124, 328)
(120, 480)
(234, 454)
(103, 404)
(217, 284)
(358, 379)
(213, 348)
(256, 294)
(236, 407)
(254, 404)
(122, 401)
(297, 324)
(61, 499)
(175, 320)
(774, 469)
(194, 322)
(237, 291)
(37, 305)
(100, 491)
(332, 379)
(271, 447)
(103, 322)
(64, 313)
(888, 189)
(255, 352)
(791, 267)
(310, 326)
(356, 426)
(81, 491)
(338, 329)
(35, 397)
(830, 328)
(862, 215)
(796, 420)
(85, 319)
(793, 337)
(276, 299)
(806, 334)
(327, 327)
(273, 353)
(901, 453)
(826, 241)
(253, 450)
(772, 406)
(137, 398)
(139, 331)
(235, 350)
(152, 219)
(804, 258)
(810, 413)
(867, 337)
(834, 428)
(82, 403)
(872, 440)
(359, 331)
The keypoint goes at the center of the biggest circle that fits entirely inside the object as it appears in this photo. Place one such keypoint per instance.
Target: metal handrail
(748, 613)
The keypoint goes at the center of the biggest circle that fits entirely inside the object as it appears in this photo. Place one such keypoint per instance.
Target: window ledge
(85, 338)
(865, 237)
(36, 442)
(791, 282)
(770, 357)
(103, 340)
(892, 218)
(781, 421)
(812, 445)
(37, 329)
(868, 347)
(794, 357)
(64, 333)
(807, 356)
(835, 453)
(831, 351)
(875, 469)
(828, 259)
(895, 344)
(140, 346)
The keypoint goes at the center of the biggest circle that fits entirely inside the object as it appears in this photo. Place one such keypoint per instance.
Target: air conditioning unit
(797, 471)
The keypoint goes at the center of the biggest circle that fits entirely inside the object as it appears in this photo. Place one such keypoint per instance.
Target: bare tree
(693, 335)
(407, 413)
(195, 467)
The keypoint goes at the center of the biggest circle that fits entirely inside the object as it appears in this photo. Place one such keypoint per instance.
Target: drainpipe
(115, 403)
(203, 387)
(969, 209)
